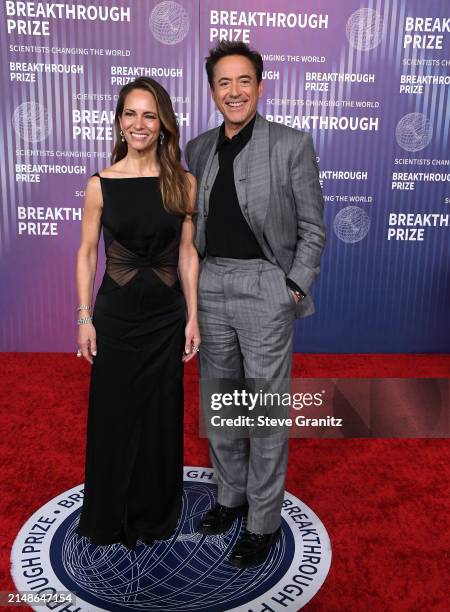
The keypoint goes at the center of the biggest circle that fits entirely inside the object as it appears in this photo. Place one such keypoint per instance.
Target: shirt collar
(243, 135)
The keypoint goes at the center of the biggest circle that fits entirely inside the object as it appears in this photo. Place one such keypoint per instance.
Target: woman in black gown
(143, 326)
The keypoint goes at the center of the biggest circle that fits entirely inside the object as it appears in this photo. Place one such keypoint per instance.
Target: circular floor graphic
(190, 572)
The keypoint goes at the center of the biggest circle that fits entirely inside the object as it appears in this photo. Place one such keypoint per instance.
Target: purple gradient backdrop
(374, 295)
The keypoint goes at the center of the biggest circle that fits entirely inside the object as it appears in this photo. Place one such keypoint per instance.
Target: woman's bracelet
(84, 307)
(84, 320)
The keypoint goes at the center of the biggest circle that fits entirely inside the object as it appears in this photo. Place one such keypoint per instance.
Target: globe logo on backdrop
(188, 572)
(351, 224)
(364, 29)
(215, 120)
(31, 122)
(414, 132)
(169, 22)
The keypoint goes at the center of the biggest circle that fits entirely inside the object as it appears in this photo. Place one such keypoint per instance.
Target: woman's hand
(191, 347)
(87, 341)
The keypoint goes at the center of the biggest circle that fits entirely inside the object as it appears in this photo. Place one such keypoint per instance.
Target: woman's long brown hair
(173, 179)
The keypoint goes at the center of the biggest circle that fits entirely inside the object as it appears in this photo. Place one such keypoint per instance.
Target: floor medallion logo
(189, 572)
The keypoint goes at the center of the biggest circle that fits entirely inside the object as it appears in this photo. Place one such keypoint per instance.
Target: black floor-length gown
(134, 458)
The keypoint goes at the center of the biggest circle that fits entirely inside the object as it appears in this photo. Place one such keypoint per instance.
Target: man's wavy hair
(225, 48)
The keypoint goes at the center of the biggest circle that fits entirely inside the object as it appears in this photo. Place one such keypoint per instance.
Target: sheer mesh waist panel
(122, 264)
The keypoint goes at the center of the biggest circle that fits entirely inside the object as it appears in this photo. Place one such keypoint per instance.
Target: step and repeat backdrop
(369, 80)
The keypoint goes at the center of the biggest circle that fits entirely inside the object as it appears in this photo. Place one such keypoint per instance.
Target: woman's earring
(122, 137)
(161, 137)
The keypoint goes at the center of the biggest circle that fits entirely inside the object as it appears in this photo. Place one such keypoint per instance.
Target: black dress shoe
(253, 548)
(220, 518)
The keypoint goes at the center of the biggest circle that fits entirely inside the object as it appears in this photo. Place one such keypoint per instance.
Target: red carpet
(385, 503)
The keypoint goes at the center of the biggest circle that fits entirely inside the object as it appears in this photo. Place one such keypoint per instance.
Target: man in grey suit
(260, 235)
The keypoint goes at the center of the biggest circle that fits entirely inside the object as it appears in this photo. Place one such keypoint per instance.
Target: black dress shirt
(227, 232)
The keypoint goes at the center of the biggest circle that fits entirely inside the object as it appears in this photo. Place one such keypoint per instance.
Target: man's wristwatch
(298, 295)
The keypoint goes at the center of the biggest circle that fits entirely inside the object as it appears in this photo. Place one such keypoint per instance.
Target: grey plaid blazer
(277, 184)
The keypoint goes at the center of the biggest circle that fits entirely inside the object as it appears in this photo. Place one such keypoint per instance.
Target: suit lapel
(240, 172)
(252, 177)
(209, 175)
